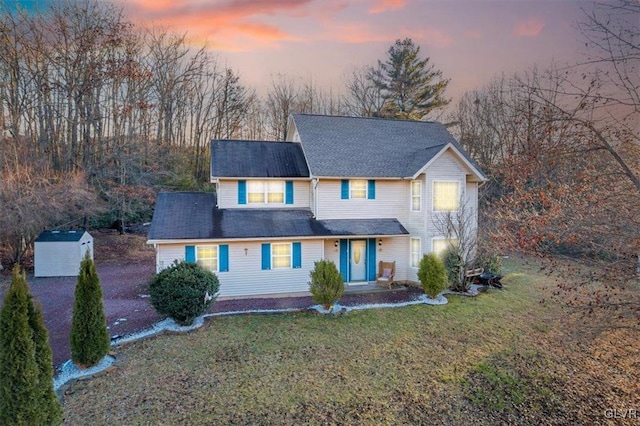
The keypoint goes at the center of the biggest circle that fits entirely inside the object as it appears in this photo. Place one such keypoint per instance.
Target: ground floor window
(281, 255)
(207, 257)
(416, 252)
(440, 244)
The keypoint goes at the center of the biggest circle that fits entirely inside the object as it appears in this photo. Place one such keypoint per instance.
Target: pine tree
(20, 392)
(90, 340)
(49, 405)
(411, 88)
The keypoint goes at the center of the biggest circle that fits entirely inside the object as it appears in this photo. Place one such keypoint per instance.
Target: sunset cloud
(381, 6)
(236, 25)
(434, 37)
(529, 28)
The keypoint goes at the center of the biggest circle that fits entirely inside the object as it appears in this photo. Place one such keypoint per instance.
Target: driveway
(125, 291)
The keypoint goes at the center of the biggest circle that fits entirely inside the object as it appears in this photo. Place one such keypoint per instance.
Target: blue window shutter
(266, 256)
(223, 254)
(190, 254)
(297, 255)
(242, 192)
(371, 193)
(371, 258)
(288, 192)
(344, 259)
(344, 189)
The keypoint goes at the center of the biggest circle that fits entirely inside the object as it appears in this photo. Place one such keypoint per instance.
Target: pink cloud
(382, 6)
(434, 38)
(529, 28)
(473, 34)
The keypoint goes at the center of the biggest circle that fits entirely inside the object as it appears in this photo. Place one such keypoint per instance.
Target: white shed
(59, 253)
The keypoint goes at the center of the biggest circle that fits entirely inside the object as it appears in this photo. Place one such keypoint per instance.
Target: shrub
(490, 262)
(327, 285)
(90, 340)
(26, 381)
(455, 268)
(432, 275)
(183, 291)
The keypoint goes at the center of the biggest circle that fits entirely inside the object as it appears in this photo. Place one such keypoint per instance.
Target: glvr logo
(613, 413)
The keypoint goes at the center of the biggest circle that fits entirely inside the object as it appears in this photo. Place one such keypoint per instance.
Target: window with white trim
(416, 252)
(446, 196)
(358, 188)
(261, 192)
(207, 257)
(440, 244)
(280, 255)
(416, 195)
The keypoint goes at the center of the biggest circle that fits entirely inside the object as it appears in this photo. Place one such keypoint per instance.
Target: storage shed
(59, 253)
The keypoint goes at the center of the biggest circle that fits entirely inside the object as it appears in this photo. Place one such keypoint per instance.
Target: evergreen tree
(90, 339)
(20, 393)
(49, 405)
(411, 88)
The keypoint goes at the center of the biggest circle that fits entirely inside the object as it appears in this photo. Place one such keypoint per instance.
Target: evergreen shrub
(432, 275)
(183, 291)
(326, 285)
(90, 340)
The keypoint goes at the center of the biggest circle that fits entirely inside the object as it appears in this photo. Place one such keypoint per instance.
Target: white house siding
(447, 167)
(245, 276)
(391, 201)
(228, 196)
(61, 258)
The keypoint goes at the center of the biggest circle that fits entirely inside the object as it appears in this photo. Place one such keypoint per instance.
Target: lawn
(505, 357)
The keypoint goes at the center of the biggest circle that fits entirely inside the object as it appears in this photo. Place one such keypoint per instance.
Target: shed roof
(58, 236)
(260, 159)
(338, 146)
(194, 215)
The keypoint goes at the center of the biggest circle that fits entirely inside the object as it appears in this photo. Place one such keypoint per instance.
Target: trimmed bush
(90, 340)
(183, 291)
(454, 267)
(326, 285)
(432, 275)
(26, 381)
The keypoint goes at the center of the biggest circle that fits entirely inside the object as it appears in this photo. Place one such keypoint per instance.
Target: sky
(470, 41)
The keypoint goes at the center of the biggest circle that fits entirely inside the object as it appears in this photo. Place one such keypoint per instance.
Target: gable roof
(194, 215)
(59, 236)
(260, 159)
(337, 146)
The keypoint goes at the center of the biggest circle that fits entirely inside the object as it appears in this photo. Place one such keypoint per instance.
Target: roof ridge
(368, 118)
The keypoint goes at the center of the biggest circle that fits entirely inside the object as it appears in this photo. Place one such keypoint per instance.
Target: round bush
(432, 275)
(183, 291)
(327, 285)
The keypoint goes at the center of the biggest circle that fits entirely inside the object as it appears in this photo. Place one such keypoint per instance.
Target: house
(351, 190)
(59, 253)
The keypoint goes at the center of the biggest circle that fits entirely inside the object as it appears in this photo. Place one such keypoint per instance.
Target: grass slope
(501, 358)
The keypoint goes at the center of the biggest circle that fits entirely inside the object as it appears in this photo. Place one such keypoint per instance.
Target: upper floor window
(358, 188)
(260, 192)
(207, 257)
(416, 195)
(446, 196)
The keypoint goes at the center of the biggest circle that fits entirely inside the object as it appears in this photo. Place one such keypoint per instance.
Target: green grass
(419, 364)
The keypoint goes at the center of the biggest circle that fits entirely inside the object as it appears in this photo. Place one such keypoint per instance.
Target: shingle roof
(370, 147)
(364, 227)
(193, 215)
(58, 236)
(237, 158)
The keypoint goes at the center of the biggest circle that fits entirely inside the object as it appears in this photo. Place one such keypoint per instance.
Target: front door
(358, 261)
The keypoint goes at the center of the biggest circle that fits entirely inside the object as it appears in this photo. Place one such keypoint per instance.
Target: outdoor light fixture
(335, 244)
(380, 242)
(246, 250)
